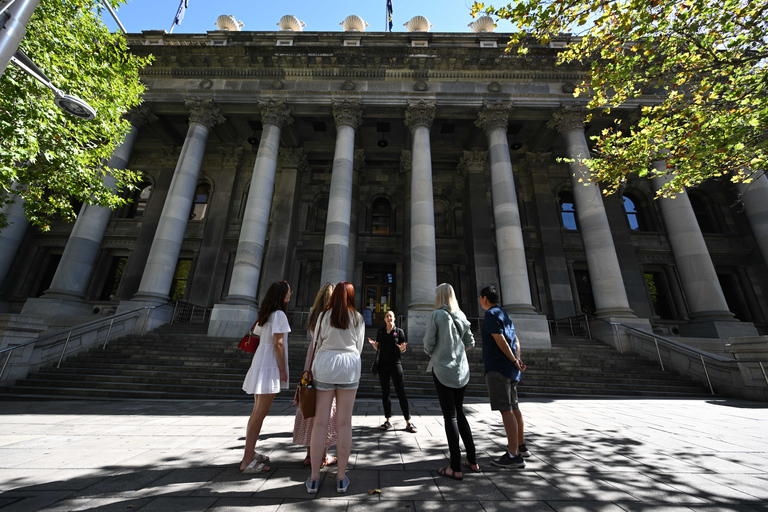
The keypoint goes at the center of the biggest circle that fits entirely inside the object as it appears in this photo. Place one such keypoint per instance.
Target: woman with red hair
(339, 337)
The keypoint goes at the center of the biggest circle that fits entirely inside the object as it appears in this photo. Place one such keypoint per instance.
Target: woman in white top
(269, 369)
(339, 335)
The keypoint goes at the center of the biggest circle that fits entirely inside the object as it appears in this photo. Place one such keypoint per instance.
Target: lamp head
(74, 106)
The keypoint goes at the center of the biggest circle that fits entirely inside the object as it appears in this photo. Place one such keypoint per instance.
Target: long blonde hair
(445, 296)
(322, 299)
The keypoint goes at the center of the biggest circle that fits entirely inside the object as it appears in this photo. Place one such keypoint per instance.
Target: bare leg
(345, 402)
(510, 427)
(261, 405)
(520, 426)
(323, 402)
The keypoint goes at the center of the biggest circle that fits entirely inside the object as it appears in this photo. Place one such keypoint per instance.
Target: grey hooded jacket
(446, 340)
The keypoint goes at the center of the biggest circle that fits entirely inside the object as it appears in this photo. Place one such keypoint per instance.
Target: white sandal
(261, 457)
(255, 467)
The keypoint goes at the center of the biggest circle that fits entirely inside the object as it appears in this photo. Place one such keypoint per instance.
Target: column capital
(275, 112)
(204, 112)
(348, 113)
(359, 164)
(140, 116)
(292, 158)
(567, 118)
(420, 113)
(494, 115)
(406, 161)
(474, 161)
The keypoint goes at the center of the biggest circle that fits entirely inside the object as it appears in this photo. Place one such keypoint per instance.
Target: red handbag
(250, 341)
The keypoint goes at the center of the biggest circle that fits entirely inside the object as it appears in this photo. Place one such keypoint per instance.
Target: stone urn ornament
(417, 24)
(483, 24)
(354, 23)
(291, 23)
(228, 22)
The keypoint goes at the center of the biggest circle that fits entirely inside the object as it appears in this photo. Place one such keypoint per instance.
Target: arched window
(200, 205)
(381, 216)
(442, 218)
(634, 217)
(140, 199)
(568, 211)
(703, 214)
(321, 215)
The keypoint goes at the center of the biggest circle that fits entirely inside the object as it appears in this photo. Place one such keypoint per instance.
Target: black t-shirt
(389, 351)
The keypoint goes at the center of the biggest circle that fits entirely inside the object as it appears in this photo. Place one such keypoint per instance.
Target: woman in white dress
(340, 335)
(269, 370)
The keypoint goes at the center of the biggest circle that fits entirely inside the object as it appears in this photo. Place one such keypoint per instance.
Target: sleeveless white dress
(264, 375)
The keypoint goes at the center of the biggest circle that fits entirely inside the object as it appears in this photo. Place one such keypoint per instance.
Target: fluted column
(419, 117)
(166, 246)
(604, 271)
(11, 235)
(513, 270)
(353, 226)
(77, 262)
(697, 273)
(253, 233)
(754, 195)
(336, 246)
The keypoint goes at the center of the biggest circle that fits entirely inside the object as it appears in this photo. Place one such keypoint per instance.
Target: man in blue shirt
(501, 352)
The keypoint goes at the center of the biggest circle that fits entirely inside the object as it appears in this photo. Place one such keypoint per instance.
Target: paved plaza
(603, 455)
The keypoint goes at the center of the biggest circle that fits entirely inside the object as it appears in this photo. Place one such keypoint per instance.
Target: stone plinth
(532, 330)
(231, 320)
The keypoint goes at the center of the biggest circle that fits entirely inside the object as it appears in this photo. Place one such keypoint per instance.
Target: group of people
(337, 337)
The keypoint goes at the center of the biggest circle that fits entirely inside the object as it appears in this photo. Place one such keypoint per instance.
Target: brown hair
(342, 305)
(322, 299)
(273, 300)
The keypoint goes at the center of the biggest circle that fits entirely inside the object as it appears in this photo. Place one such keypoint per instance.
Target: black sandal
(385, 426)
(411, 428)
(452, 476)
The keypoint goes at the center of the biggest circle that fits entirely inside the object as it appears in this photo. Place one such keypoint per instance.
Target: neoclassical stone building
(396, 161)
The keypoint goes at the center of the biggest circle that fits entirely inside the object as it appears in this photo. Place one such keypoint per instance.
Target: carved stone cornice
(292, 158)
(538, 159)
(231, 156)
(568, 118)
(474, 161)
(169, 155)
(406, 161)
(275, 112)
(348, 113)
(204, 112)
(494, 115)
(359, 164)
(420, 113)
(140, 116)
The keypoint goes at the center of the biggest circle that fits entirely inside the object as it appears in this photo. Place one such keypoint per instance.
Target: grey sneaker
(505, 461)
(312, 485)
(523, 451)
(341, 485)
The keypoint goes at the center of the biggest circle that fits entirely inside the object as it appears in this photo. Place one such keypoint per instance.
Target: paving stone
(245, 504)
(178, 504)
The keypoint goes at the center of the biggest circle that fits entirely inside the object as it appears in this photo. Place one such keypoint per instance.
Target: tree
(697, 66)
(48, 158)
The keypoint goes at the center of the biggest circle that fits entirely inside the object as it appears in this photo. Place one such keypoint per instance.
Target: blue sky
(319, 15)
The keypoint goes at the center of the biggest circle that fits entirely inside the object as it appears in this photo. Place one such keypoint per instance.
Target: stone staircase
(181, 362)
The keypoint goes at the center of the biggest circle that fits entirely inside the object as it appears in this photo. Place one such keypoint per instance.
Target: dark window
(657, 289)
(568, 211)
(140, 200)
(200, 205)
(633, 215)
(116, 269)
(703, 214)
(321, 215)
(50, 271)
(729, 283)
(180, 278)
(381, 217)
(442, 218)
(584, 289)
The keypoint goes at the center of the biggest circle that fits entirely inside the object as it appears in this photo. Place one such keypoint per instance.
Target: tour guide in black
(391, 342)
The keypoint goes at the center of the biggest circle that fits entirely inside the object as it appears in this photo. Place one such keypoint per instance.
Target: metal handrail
(186, 305)
(112, 319)
(554, 325)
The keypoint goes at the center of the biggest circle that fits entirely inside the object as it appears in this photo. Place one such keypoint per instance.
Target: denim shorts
(502, 391)
(325, 386)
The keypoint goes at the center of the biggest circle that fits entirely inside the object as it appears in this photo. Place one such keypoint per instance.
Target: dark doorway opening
(379, 295)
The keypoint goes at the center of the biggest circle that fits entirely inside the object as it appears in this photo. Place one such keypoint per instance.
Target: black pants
(395, 371)
(456, 424)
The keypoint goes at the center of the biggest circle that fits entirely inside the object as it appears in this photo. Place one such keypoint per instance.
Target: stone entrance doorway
(379, 295)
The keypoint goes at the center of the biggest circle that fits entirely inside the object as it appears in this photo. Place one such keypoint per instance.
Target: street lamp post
(13, 25)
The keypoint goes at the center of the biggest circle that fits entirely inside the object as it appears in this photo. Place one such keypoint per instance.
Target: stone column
(238, 313)
(67, 291)
(708, 310)
(419, 117)
(755, 198)
(336, 246)
(406, 159)
(12, 235)
(513, 272)
(166, 246)
(604, 271)
(353, 224)
(291, 162)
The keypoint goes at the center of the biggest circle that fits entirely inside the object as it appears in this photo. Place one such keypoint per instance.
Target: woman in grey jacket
(447, 339)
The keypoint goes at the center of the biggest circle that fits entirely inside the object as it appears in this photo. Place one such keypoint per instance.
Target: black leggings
(456, 424)
(395, 371)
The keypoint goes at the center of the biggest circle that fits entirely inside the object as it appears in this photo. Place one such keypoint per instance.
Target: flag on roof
(389, 14)
(180, 13)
